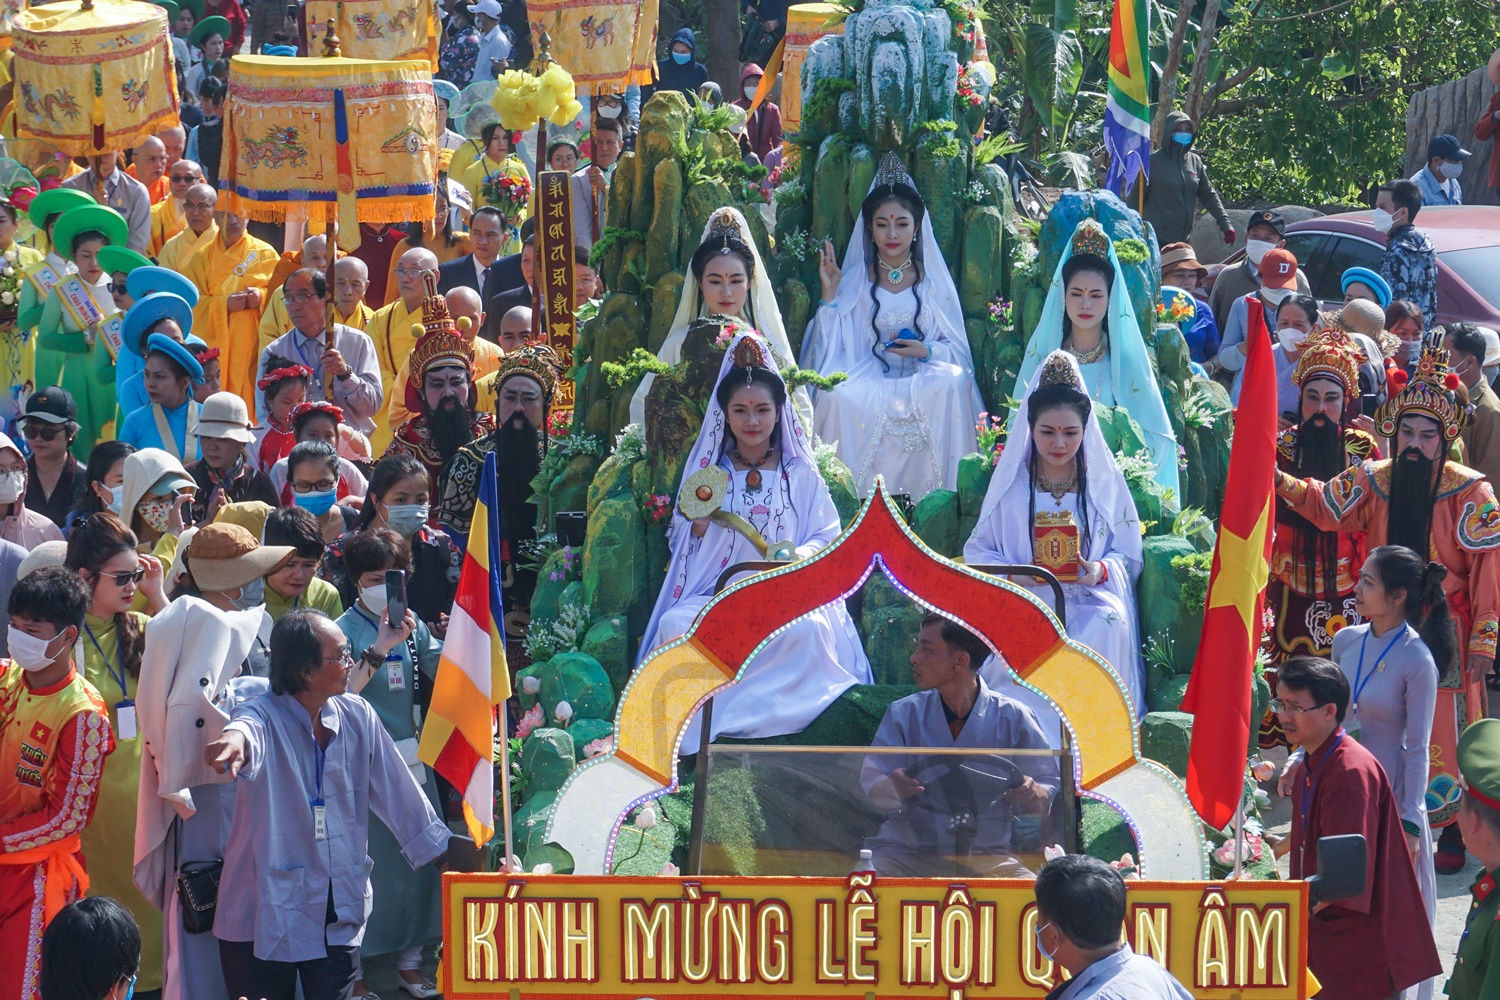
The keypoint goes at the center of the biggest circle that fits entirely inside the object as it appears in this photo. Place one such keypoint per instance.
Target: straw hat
(224, 415)
(54, 553)
(226, 557)
(1363, 316)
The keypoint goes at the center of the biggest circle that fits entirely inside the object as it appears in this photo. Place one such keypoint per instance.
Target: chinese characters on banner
(554, 269)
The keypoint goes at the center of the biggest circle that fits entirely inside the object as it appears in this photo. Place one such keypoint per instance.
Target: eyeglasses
(345, 655)
(302, 297)
(127, 577)
(321, 486)
(1287, 708)
(407, 272)
(44, 431)
(200, 206)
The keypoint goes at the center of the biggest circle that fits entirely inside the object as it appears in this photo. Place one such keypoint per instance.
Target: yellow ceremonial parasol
(90, 79)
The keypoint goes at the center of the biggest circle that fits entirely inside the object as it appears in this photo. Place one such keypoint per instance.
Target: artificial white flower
(669, 870)
(531, 684)
(542, 869)
(646, 818)
(563, 712)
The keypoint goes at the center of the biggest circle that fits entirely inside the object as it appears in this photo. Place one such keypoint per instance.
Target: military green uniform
(1476, 973)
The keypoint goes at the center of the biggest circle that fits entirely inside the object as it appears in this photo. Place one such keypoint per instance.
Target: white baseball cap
(489, 7)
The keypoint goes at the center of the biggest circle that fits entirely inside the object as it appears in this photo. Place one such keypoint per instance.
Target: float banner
(626, 937)
(554, 209)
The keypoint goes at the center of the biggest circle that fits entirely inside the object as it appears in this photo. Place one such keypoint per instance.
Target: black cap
(54, 405)
(1268, 217)
(1446, 146)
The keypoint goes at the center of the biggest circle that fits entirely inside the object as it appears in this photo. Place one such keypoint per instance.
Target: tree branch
(1166, 97)
(1193, 105)
(1228, 84)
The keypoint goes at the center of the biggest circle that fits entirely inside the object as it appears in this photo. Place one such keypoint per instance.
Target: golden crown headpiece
(752, 352)
(1430, 391)
(723, 224)
(536, 361)
(440, 348)
(1058, 369)
(1329, 353)
(891, 172)
(1090, 238)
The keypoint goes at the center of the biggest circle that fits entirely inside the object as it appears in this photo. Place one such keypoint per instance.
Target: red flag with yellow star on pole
(1218, 692)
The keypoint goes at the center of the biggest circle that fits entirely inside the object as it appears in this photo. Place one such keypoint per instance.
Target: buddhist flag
(458, 740)
(1218, 694)
(1127, 109)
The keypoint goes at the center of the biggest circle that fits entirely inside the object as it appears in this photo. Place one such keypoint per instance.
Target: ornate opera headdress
(1057, 369)
(1430, 392)
(439, 345)
(535, 361)
(1090, 238)
(1329, 353)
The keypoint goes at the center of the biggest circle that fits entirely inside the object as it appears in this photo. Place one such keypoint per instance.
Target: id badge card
(1352, 728)
(320, 821)
(125, 720)
(395, 676)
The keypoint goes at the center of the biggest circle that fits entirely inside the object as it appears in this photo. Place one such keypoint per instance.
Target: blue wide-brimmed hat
(149, 310)
(144, 280)
(1365, 276)
(178, 353)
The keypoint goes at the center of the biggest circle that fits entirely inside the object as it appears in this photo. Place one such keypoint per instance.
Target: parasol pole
(331, 50)
(538, 67)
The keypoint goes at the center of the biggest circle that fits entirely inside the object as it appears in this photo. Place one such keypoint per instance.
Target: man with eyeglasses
(199, 205)
(167, 218)
(343, 361)
(1368, 946)
(285, 748)
(391, 331)
(275, 321)
(439, 391)
(54, 477)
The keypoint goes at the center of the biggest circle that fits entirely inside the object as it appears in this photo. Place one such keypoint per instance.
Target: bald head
(515, 327)
(182, 175)
(174, 141)
(411, 271)
(464, 301)
(149, 160)
(198, 207)
(315, 252)
(351, 279)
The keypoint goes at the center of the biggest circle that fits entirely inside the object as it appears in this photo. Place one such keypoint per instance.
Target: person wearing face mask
(297, 584)
(91, 951)
(1409, 266)
(103, 482)
(18, 524)
(155, 494)
(1179, 184)
(1262, 235)
(680, 71)
(318, 422)
(1080, 907)
(313, 483)
(1255, 312)
(54, 736)
(763, 126)
(394, 674)
(224, 475)
(1439, 178)
(400, 499)
(1466, 350)
(440, 394)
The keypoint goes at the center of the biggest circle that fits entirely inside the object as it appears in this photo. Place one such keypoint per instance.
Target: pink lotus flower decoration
(531, 720)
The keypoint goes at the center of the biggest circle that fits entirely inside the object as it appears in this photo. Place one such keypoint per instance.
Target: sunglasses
(116, 287)
(44, 431)
(127, 577)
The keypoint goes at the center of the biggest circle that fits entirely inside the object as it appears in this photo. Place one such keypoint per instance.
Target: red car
(1466, 237)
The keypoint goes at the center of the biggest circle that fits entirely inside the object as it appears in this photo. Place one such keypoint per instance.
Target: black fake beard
(449, 428)
(1413, 495)
(518, 459)
(1319, 451)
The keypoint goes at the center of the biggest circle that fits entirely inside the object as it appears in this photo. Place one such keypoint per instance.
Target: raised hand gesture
(828, 271)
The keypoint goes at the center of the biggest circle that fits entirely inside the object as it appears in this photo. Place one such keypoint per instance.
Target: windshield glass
(1480, 270)
(920, 811)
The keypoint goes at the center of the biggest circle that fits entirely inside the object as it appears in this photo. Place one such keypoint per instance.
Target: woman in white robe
(749, 298)
(891, 321)
(1058, 418)
(779, 491)
(1089, 315)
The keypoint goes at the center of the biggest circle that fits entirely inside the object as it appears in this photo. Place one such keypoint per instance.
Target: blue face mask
(682, 58)
(1182, 138)
(130, 992)
(316, 504)
(1041, 947)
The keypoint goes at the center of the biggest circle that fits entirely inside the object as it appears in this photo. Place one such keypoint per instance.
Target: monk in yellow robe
(198, 207)
(391, 331)
(231, 274)
(167, 218)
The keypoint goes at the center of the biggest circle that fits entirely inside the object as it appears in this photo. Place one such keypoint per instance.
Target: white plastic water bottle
(866, 863)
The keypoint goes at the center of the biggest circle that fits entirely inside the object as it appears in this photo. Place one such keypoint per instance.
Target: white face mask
(1274, 296)
(609, 111)
(116, 498)
(1382, 220)
(1451, 171)
(1257, 249)
(29, 652)
(749, 92)
(1291, 338)
(373, 598)
(12, 485)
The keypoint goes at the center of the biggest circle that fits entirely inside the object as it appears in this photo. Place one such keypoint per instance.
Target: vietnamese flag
(1218, 692)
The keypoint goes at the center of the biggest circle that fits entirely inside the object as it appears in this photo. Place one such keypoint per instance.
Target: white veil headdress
(1108, 494)
(826, 354)
(764, 316)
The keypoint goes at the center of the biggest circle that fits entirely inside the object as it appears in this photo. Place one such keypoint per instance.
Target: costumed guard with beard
(440, 391)
(1313, 572)
(1422, 501)
(524, 386)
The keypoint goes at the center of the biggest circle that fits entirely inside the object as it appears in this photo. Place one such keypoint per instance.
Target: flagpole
(1239, 835)
(505, 811)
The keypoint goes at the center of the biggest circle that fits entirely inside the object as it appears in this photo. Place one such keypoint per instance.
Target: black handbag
(198, 892)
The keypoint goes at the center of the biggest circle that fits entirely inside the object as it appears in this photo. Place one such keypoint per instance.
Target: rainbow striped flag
(1127, 110)
(473, 679)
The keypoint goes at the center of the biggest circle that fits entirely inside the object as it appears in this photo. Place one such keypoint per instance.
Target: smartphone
(395, 597)
(903, 335)
(1369, 403)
